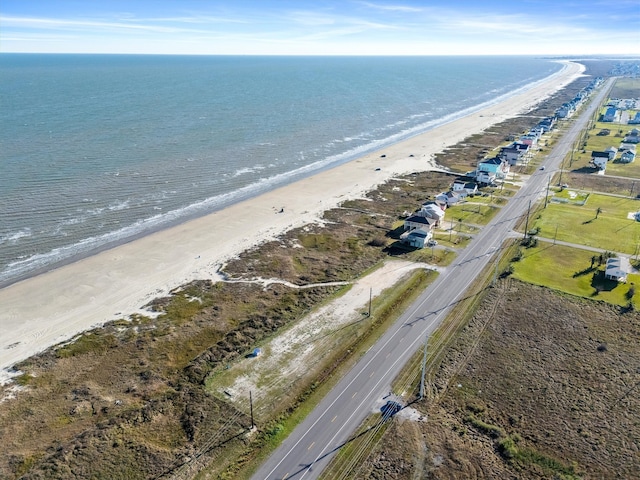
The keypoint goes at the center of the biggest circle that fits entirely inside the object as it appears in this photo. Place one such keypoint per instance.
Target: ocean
(96, 150)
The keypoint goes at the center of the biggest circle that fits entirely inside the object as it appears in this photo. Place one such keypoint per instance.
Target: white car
(432, 243)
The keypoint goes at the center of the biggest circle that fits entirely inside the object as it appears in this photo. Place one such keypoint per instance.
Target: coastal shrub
(378, 242)
(491, 430)
(88, 343)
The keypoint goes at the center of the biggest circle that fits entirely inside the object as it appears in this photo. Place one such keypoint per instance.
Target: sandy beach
(55, 306)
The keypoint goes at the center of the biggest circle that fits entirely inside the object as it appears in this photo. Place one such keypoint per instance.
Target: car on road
(542, 167)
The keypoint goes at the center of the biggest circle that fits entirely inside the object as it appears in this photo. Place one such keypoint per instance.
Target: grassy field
(475, 213)
(570, 270)
(611, 230)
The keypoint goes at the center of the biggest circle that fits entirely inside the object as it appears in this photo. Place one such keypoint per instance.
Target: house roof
(433, 210)
(418, 233)
(492, 161)
(418, 219)
(617, 267)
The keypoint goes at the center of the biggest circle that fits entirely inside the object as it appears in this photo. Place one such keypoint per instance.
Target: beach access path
(53, 307)
(308, 450)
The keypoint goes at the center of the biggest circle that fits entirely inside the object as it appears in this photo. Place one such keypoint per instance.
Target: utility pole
(424, 367)
(555, 235)
(546, 198)
(526, 224)
(370, 297)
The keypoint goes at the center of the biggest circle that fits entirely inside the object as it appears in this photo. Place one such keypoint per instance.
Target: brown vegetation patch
(547, 389)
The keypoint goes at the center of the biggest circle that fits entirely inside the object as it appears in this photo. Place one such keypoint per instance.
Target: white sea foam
(137, 171)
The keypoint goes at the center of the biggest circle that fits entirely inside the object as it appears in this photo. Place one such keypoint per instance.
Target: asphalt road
(311, 446)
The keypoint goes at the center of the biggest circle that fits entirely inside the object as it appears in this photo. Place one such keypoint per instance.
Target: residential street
(311, 446)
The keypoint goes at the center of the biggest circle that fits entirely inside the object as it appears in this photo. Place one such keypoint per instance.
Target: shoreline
(54, 306)
(113, 239)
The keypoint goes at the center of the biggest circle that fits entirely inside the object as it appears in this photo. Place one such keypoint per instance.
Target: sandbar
(53, 307)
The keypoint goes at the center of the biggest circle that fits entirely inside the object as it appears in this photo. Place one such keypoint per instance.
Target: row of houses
(614, 114)
(520, 150)
(617, 107)
(567, 109)
(418, 228)
(627, 151)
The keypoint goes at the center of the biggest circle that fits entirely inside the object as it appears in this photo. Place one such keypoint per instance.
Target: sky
(322, 27)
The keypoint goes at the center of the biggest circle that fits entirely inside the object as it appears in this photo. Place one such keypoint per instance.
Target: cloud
(391, 8)
(35, 23)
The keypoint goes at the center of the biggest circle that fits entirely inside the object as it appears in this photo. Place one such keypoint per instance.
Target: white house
(490, 169)
(416, 221)
(628, 156)
(433, 212)
(449, 198)
(617, 269)
(417, 237)
(464, 187)
(612, 151)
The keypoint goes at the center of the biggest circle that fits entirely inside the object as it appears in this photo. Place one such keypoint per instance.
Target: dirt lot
(550, 390)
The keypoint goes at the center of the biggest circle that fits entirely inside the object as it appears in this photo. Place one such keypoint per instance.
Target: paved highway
(310, 447)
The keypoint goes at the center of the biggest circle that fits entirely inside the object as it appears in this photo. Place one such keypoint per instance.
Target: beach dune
(55, 306)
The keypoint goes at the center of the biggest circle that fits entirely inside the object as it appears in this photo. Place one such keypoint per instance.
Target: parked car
(432, 243)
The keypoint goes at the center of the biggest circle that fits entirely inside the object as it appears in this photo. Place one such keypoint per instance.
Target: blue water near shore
(98, 149)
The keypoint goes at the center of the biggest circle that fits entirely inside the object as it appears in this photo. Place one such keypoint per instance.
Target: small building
(449, 198)
(610, 114)
(464, 187)
(416, 238)
(511, 154)
(628, 156)
(490, 169)
(417, 221)
(617, 269)
(431, 211)
(600, 162)
(612, 151)
(633, 136)
(635, 120)
(598, 157)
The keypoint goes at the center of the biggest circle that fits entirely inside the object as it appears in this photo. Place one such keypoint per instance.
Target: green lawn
(612, 230)
(569, 270)
(471, 213)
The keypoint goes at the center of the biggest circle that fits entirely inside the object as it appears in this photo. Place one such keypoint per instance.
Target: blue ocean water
(99, 149)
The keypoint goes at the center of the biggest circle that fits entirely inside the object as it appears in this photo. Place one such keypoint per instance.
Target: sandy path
(52, 307)
(289, 356)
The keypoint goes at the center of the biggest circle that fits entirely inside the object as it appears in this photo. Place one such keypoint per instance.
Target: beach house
(633, 136)
(610, 114)
(512, 153)
(628, 156)
(464, 187)
(617, 269)
(491, 169)
(416, 238)
(612, 151)
(599, 160)
(418, 221)
(449, 198)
